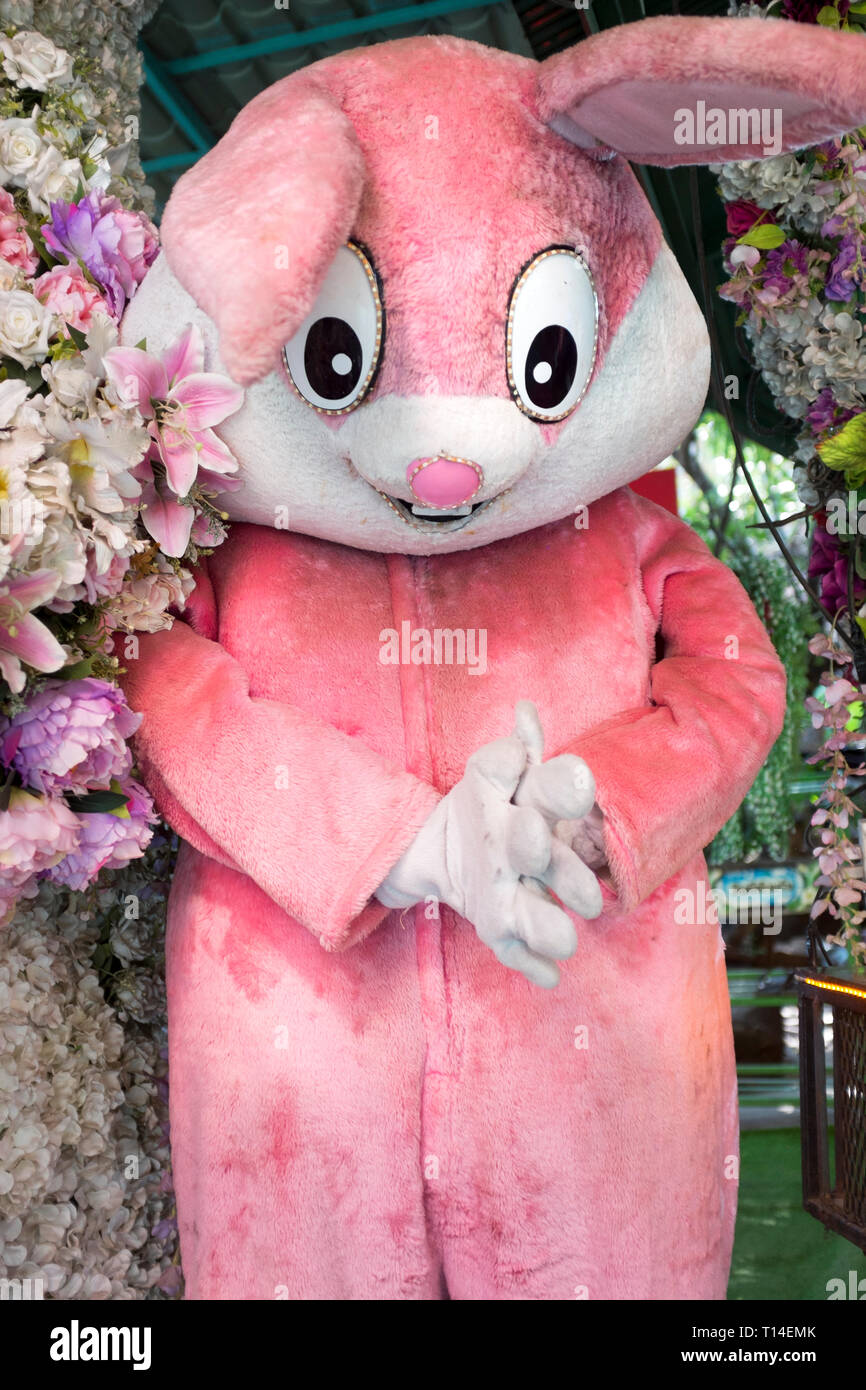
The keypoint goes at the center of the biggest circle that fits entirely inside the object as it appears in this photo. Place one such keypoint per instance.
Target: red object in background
(659, 486)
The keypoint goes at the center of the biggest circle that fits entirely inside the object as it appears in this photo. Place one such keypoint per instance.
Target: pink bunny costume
(367, 1103)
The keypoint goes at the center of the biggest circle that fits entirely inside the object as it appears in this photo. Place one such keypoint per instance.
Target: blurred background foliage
(715, 499)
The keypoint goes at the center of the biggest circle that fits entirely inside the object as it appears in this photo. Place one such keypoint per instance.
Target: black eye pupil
(332, 358)
(551, 366)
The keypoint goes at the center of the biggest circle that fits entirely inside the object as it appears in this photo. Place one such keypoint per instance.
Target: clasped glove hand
(489, 851)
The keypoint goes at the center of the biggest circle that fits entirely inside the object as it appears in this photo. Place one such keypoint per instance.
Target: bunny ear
(251, 229)
(676, 90)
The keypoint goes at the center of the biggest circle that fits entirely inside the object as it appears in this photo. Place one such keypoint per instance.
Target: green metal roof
(206, 60)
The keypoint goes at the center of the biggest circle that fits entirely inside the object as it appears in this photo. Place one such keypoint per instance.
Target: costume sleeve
(670, 773)
(311, 814)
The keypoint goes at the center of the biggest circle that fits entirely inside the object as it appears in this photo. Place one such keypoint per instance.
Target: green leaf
(79, 671)
(93, 802)
(846, 450)
(766, 236)
(78, 338)
(829, 17)
(31, 375)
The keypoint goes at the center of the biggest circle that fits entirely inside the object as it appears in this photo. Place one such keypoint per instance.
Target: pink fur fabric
(624, 85)
(232, 215)
(363, 1125)
(255, 224)
(295, 765)
(449, 262)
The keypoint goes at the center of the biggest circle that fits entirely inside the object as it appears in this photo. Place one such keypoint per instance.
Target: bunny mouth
(432, 519)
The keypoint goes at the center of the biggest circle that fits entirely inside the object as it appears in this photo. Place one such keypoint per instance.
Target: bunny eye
(551, 335)
(333, 357)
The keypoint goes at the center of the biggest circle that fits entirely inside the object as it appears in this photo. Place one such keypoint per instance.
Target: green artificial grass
(780, 1252)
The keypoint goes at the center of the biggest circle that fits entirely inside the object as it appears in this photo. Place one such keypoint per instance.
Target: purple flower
(825, 413)
(846, 272)
(114, 244)
(783, 264)
(108, 840)
(72, 736)
(830, 148)
(807, 11)
(165, 1228)
(171, 1281)
(830, 566)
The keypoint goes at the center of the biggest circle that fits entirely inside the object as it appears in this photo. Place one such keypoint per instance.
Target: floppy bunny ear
(676, 90)
(251, 229)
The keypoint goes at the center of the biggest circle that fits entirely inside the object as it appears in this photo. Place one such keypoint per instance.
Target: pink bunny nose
(444, 481)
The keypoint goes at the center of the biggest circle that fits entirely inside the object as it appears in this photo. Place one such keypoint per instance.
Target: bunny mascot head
(461, 333)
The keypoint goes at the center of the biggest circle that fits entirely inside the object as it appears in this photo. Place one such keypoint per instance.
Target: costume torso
(367, 1120)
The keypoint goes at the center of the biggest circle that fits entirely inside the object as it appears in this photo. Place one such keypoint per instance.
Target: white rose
(84, 101)
(33, 61)
(54, 180)
(20, 148)
(25, 326)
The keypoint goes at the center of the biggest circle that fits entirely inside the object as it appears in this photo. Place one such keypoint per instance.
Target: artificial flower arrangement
(108, 470)
(796, 261)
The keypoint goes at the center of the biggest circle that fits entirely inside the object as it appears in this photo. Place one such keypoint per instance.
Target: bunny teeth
(436, 518)
(444, 512)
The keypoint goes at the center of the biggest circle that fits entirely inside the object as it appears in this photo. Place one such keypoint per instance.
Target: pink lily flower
(23, 638)
(167, 520)
(182, 404)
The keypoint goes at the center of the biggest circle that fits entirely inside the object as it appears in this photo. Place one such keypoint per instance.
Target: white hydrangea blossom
(83, 1146)
(784, 179)
(107, 32)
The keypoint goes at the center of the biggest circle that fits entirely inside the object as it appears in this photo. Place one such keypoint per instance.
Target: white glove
(482, 854)
(550, 787)
(586, 838)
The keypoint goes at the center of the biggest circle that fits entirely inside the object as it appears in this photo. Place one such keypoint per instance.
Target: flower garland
(108, 470)
(840, 882)
(103, 508)
(104, 34)
(796, 262)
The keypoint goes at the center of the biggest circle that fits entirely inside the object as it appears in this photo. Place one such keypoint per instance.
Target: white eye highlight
(332, 359)
(552, 333)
